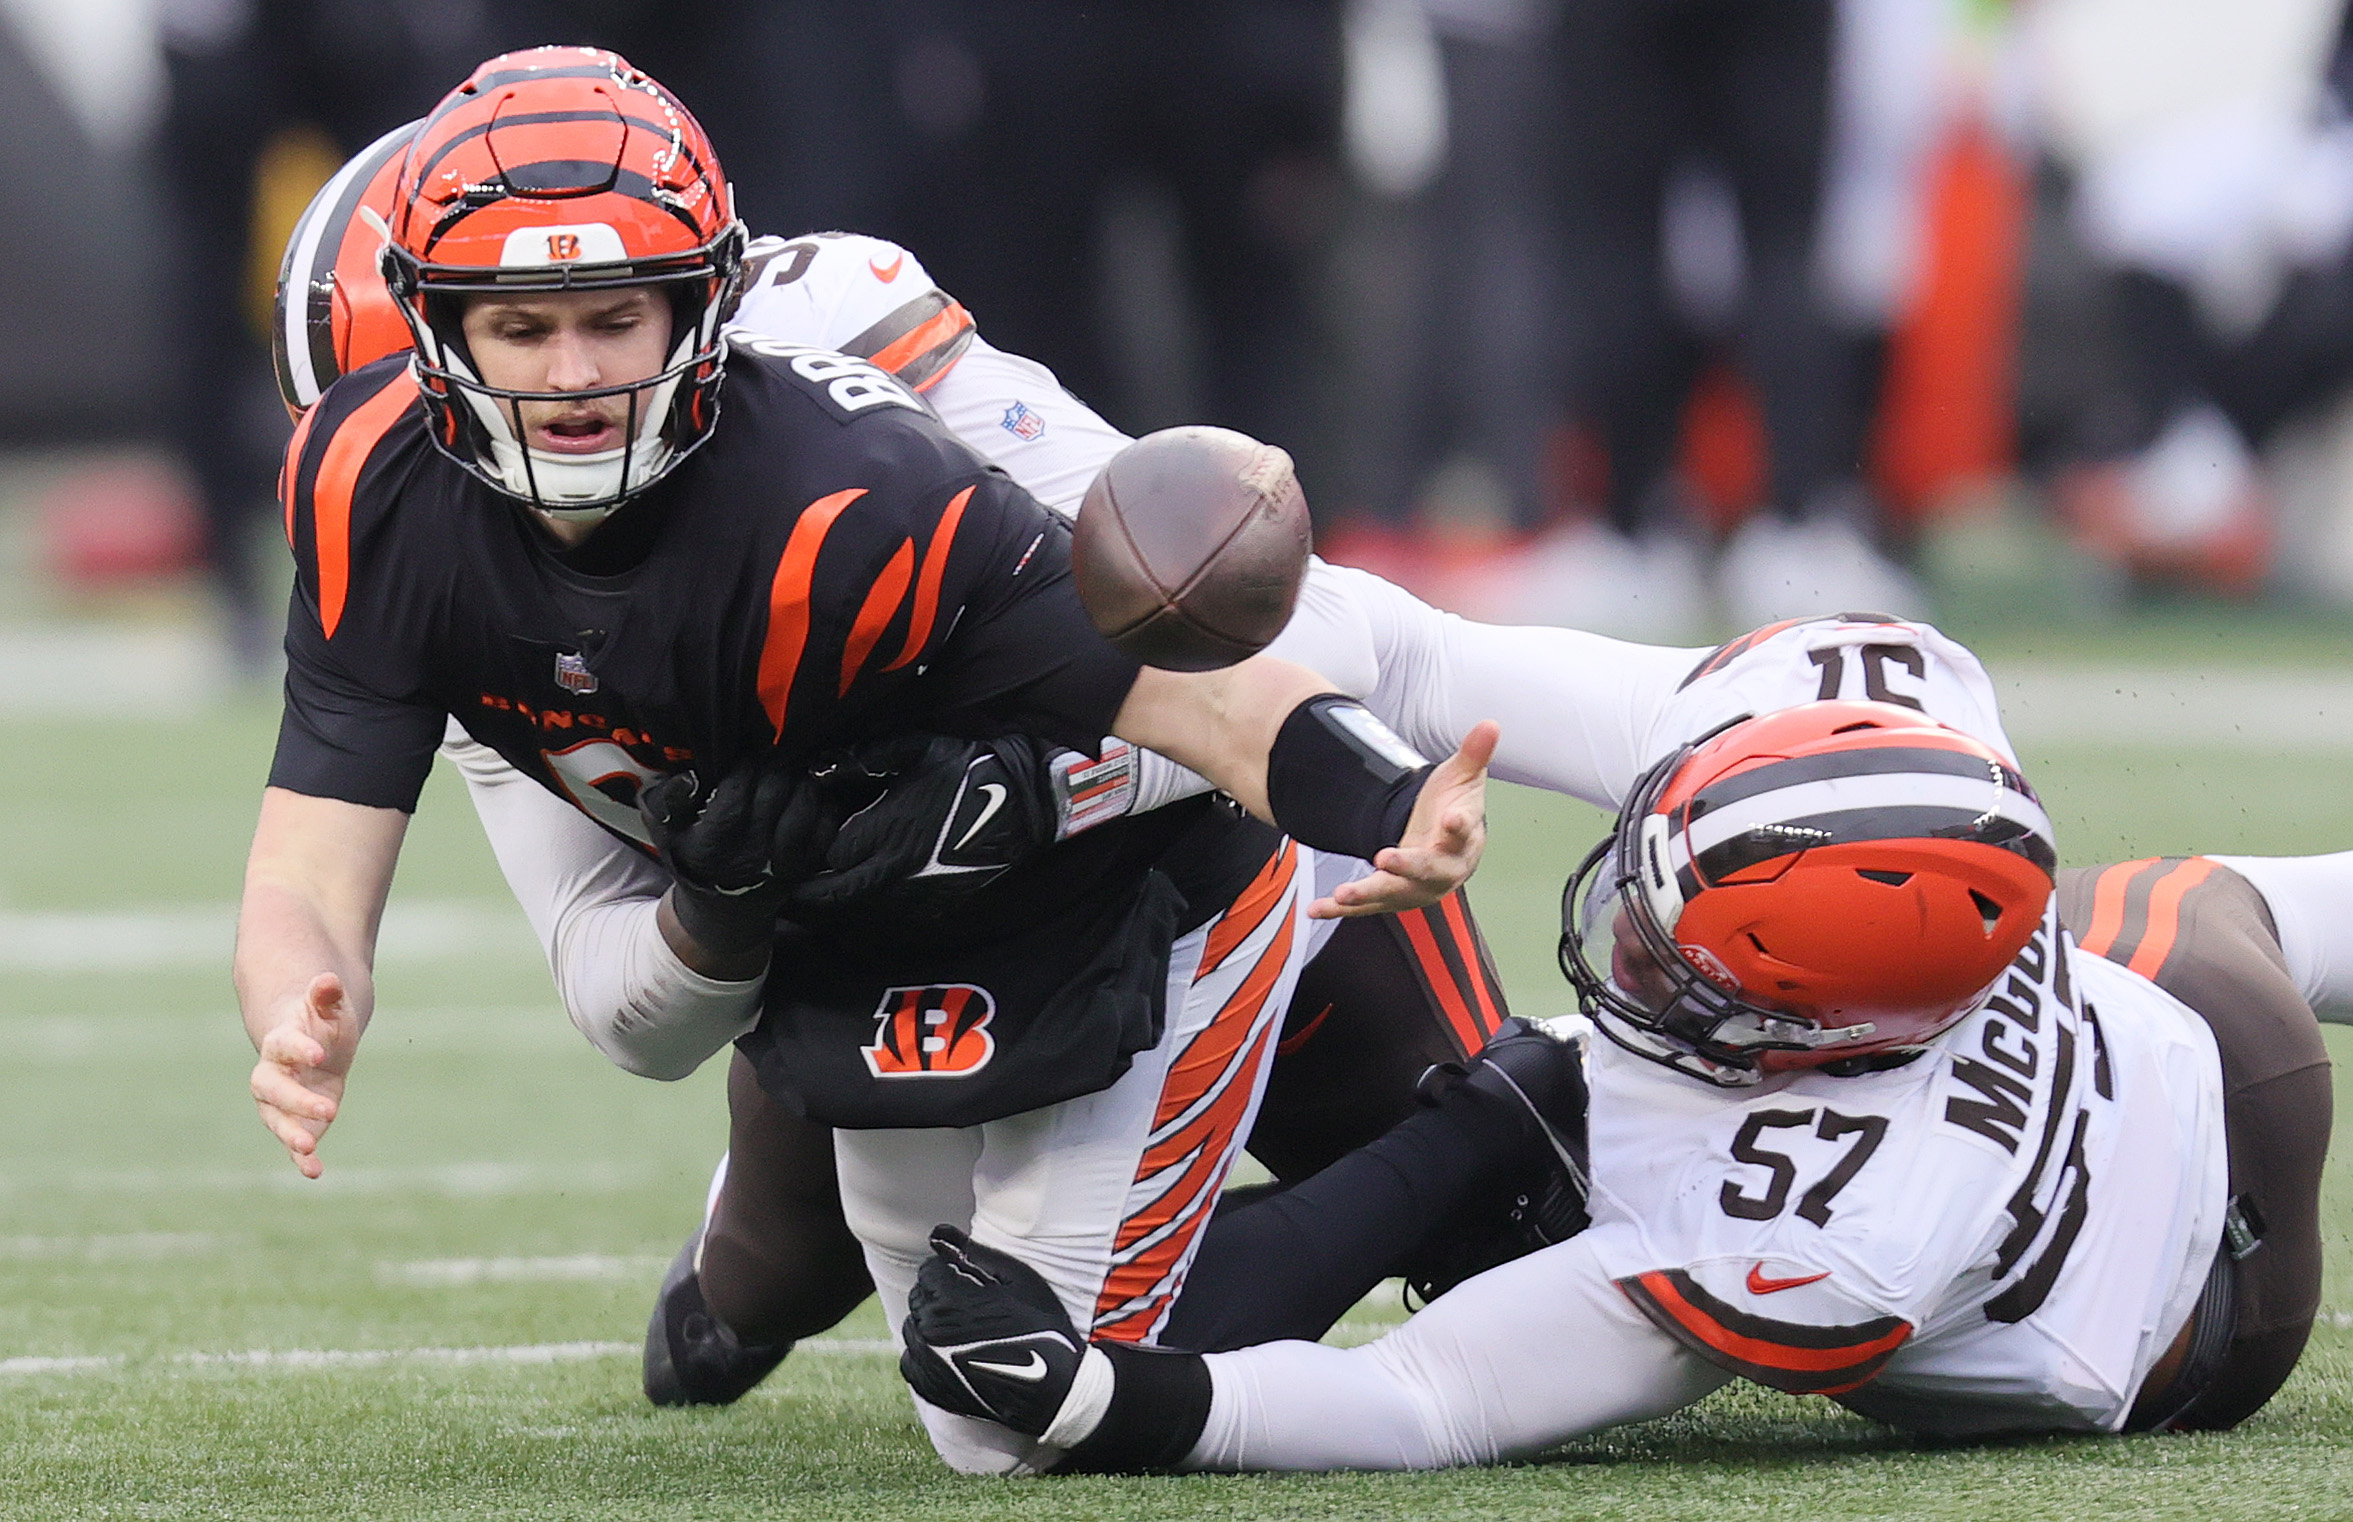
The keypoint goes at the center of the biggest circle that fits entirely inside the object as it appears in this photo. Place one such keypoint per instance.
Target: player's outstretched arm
(1329, 774)
(315, 883)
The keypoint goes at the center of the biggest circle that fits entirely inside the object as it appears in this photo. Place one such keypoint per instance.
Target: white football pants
(1105, 1195)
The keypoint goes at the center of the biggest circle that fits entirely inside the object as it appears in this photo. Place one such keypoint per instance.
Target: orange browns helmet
(334, 312)
(563, 168)
(1829, 882)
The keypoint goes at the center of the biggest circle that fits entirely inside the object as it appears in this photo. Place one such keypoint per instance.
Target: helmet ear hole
(1987, 910)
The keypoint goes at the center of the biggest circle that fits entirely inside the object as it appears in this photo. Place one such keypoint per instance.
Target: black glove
(949, 818)
(986, 1336)
(735, 850)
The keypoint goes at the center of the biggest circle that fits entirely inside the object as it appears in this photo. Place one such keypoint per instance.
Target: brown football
(1190, 547)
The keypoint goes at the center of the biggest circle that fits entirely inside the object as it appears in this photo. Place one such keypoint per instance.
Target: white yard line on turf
(438, 1273)
(200, 935)
(298, 1360)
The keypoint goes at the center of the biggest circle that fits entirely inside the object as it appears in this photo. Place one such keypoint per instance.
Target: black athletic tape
(1338, 780)
(1159, 1404)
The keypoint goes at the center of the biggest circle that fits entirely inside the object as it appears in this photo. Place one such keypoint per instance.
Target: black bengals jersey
(832, 565)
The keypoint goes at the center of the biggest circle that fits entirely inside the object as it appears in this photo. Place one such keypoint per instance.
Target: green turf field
(446, 1326)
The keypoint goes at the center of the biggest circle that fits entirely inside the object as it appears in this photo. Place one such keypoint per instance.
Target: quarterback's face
(567, 341)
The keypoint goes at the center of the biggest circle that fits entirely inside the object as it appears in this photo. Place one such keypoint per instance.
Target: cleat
(691, 1358)
(1542, 1078)
(986, 1336)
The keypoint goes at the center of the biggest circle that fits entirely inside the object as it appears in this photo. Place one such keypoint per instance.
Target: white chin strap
(576, 488)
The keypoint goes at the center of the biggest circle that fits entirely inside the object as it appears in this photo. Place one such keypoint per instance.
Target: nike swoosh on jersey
(996, 792)
(1759, 1284)
(886, 273)
(1030, 1372)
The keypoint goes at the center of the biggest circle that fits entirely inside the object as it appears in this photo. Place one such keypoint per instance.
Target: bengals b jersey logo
(938, 1031)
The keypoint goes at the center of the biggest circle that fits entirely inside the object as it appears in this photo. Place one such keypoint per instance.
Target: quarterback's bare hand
(1442, 841)
(298, 1083)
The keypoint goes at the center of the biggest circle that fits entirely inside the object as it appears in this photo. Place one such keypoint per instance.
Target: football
(1190, 547)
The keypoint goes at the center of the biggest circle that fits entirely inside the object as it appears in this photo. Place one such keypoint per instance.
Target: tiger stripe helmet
(562, 168)
(1833, 881)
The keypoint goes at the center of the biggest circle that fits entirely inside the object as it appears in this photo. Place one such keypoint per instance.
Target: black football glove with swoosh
(986, 1336)
(735, 849)
(949, 818)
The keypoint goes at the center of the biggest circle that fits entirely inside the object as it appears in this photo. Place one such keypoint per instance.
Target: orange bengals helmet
(563, 168)
(334, 312)
(1832, 881)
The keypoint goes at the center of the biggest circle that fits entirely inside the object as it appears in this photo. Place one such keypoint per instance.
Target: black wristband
(1339, 780)
(1159, 1404)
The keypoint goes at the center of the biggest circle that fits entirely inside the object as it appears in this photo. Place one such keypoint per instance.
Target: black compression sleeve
(1339, 780)
(1159, 1404)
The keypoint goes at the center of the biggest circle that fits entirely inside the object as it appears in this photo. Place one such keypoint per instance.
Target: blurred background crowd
(1661, 317)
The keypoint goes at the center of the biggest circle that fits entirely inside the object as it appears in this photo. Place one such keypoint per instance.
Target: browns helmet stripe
(1869, 803)
(1855, 763)
(328, 250)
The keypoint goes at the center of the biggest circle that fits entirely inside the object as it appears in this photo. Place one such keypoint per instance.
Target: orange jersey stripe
(330, 499)
(1249, 909)
(2108, 904)
(1203, 1147)
(875, 614)
(927, 590)
(290, 471)
(1210, 1057)
(1757, 1351)
(1466, 941)
(1441, 978)
(788, 603)
(946, 324)
(2165, 915)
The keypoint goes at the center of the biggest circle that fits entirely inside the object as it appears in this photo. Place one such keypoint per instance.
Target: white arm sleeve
(1524, 1356)
(591, 901)
(1576, 708)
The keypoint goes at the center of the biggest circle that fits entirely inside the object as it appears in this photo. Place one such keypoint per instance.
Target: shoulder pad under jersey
(863, 296)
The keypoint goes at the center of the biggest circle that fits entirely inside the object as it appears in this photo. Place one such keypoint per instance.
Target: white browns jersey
(871, 298)
(2005, 1233)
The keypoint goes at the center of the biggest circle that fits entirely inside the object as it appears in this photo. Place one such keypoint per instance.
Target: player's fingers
(301, 1142)
(1381, 892)
(276, 1089)
(286, 1047)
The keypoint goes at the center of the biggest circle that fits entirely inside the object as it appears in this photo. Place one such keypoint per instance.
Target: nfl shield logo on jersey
(939, 1031)
(573, 675)
(1022, 423)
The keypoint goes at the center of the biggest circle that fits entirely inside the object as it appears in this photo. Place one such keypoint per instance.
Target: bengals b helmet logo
(939, 1031)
